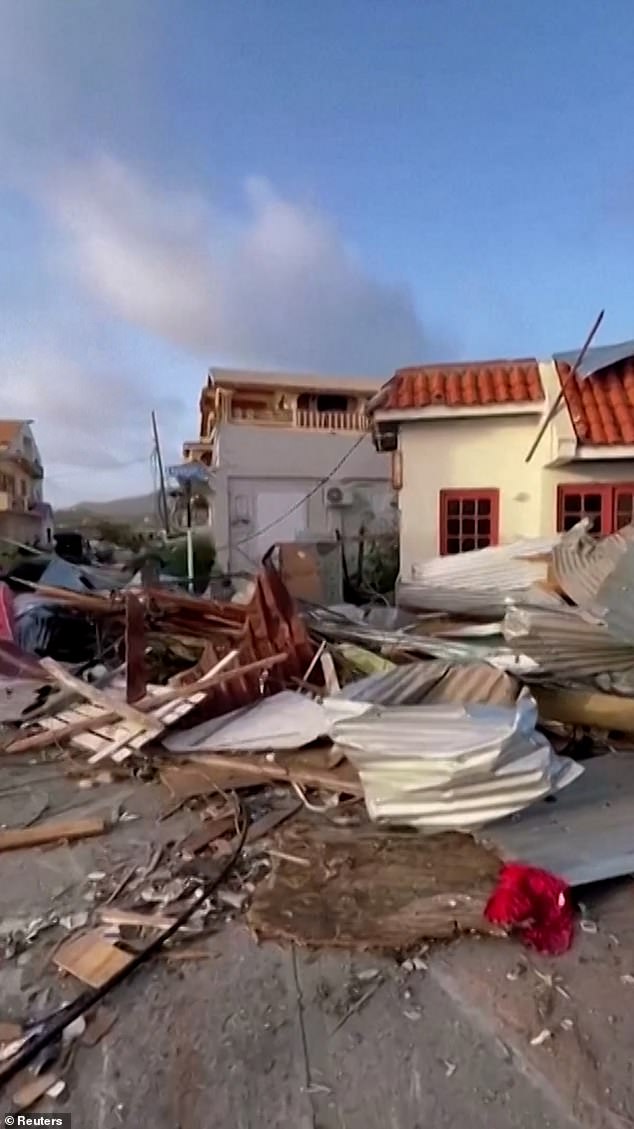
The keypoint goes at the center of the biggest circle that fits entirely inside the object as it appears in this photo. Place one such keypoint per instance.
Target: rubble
(299, 740)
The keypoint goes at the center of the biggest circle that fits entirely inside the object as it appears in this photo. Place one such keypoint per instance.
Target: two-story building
(24, 516)
(290, 455)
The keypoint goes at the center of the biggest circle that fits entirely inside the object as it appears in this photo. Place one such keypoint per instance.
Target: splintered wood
(121, 738)
(368, 889)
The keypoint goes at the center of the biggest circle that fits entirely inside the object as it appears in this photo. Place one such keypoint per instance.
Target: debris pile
(354, 777)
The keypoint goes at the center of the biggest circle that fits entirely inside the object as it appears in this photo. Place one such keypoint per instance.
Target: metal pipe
(571, 375)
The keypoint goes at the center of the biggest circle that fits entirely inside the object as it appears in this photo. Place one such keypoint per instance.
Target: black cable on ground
(87, 1000)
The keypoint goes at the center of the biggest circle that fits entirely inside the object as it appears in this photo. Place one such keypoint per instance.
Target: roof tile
(601, 406)
(9, 430)
(470, 385)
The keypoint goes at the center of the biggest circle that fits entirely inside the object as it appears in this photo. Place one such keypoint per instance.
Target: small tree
(120, 534)
(175, 557)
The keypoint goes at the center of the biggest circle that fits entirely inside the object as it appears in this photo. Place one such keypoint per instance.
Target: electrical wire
(48, 1031)
(298, 504)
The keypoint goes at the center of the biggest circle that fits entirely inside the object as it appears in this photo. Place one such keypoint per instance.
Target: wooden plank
(271, 820)
(31, 1089)
(122, 754)
(136, 670)
(344, 778)
(99, 698)
(158, 697)
(208, 831)
(57, 832)
(91, 959)
(99, 1024)
(124, 742)
(87, 709)
(113, 915)
(92, 743)
(586, 707)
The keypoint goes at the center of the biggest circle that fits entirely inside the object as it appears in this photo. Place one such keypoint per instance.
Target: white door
(285, 511)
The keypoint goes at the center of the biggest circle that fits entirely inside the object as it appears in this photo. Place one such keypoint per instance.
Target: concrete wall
(467, 454)
(23, 528)
(254, 461)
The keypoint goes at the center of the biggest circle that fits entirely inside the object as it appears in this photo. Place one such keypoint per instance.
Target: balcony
(200, 450)
(305, 419)
(31, 465)
(15, 504)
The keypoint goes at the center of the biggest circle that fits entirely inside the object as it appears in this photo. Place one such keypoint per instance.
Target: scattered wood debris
(54, 832)
(91, 959)
(32, 1088)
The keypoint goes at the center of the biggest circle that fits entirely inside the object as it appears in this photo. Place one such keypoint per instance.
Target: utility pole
(159, 462)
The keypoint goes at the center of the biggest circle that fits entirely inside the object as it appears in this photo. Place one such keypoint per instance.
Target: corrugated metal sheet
(287, 720)
(581, 564)
(415, 594)
(597, 357)
(443, 767)
(587, 835)
(435, 682)
(338, 629)
(476, 569)
(614, 601)
(566, 643)
(480, 581)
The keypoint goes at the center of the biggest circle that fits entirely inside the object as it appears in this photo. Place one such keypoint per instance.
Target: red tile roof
(465, 386)
(9, 430)
(601, 406)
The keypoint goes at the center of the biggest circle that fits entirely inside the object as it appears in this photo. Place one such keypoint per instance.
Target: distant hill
(139, 510)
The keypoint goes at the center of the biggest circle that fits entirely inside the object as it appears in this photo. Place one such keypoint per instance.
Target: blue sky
(343, 187)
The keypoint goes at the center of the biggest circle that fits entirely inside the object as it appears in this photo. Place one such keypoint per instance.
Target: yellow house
(461, 434)
(24, 516)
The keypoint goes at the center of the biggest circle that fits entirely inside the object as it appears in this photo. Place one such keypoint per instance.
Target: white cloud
(276, 286)
(92, 425)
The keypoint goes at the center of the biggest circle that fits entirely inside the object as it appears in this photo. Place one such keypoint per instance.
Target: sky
(342, 187)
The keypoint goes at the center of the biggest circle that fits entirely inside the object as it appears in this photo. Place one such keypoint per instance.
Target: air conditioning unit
(338, 496)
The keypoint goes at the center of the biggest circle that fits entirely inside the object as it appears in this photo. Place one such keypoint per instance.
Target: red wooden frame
(467, 528)
(608, 512)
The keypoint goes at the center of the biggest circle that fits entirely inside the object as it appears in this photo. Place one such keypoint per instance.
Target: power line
(298, 504)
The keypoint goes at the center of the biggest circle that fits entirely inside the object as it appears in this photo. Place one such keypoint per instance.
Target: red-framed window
(608, 507)
(469, 519)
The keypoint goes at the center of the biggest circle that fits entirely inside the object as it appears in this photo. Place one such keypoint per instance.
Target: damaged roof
(465, 385)
(601, 404)
(599, 397)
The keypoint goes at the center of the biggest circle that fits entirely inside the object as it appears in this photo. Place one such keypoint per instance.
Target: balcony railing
(331, 421)
(306, 419)
(30, 464)
(16, 504)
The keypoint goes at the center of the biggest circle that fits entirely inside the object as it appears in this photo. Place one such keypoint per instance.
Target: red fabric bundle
(537, 904)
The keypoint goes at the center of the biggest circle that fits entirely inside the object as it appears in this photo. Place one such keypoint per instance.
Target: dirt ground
(253, 1035)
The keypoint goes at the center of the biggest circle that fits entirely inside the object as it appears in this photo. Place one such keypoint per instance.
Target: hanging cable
(297, 505)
